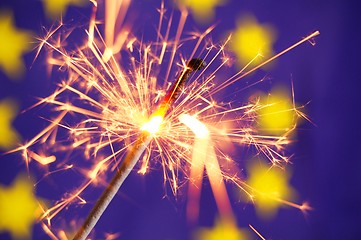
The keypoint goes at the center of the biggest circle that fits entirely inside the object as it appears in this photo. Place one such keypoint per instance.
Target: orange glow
(198, 128)
(153, 125)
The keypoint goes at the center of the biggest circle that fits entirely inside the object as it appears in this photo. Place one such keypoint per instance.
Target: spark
(255, 230)
(119, 96)
(153, 126)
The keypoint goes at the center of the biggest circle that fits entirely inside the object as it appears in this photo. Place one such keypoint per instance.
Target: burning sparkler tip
(196, 64)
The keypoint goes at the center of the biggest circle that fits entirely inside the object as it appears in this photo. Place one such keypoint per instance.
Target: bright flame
(204, 156)
(198, 128)
(153, 125)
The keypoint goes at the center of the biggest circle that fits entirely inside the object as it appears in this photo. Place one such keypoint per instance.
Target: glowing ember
(153, 125)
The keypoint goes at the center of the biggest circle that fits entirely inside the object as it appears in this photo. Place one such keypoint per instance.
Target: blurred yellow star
(252, 40)
(8, 135)
(224, 229)
(203, 11)
(18, 208)
(55, 8)
(270, 185)
(277, 114)
(13, 44)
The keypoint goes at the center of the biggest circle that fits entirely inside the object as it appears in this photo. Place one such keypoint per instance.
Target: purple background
(327, 166)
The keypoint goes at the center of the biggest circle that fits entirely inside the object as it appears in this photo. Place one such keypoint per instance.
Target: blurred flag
(202, 11)
(270, 187)
(13, 44)
(277, 114)
(8, 135)
(225, 229)
(251, 40)
(19, 208)
(54, 9)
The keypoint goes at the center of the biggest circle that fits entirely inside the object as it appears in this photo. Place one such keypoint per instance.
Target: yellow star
(55, 8)
(270, 187)
(203, 11)
(18, 208)
(252, 40)
(13, 44)
(277, 114)
(224, 229)
(8, 135)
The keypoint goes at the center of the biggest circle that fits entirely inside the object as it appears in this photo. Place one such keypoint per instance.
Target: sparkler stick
(137, 150)
(173, 93)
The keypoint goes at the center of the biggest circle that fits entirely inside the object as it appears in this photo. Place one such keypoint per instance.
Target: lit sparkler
(149, 128)
(114, 86)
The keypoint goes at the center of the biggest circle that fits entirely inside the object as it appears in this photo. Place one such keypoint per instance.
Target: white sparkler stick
(122, 173)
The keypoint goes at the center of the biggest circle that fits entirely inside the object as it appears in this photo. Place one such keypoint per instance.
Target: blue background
(327, 166)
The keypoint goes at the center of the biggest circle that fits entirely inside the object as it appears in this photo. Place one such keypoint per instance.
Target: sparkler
(114, 86)
(137, 150)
